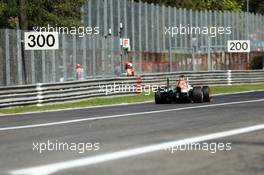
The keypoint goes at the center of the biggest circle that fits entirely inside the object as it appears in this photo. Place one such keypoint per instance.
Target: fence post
(163, 26)
(90, 48)
(146, 26)
(94, 44)
(133, 31)
(112, 43)
(193, 59)
(19, 59)
(193, 42)
(125, 18)
(225, 18)
(180, 22)
(103, 41)
(153, 36)
(185, 23)
(118, 17)
(84, 56)
(43, 63)
(120, 50)
(175, 17)
(140, 34)
(197, 15)
(33, 71)
(7, 57)
(170, 54)
(158, 29)
(53, 66)
(98, 23)
(209, 59)
(64, 58)
(74, 62)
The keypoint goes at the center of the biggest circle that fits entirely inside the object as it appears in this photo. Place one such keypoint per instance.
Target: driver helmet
(129, 65)
(78, 66)
(182, 78)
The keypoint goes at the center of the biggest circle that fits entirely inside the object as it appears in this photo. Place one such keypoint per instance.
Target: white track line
(125, 115)
(235, 93)
(55, 167)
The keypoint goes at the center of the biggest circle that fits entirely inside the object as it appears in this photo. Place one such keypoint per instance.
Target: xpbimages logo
(211, 31)
(55, 145)
(210, 147)
(80, 31)
(116, 88)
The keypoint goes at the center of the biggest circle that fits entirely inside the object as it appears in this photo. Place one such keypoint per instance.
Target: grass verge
(121, 100)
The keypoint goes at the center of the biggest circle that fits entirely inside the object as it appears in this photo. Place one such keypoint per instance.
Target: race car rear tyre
(207, 94)
(197, 94)
(158, 98)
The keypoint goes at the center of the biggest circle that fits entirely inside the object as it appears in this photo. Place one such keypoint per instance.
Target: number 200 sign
(41, 40)
(238, 45)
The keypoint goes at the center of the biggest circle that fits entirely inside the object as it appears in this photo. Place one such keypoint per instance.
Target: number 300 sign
(41, 40)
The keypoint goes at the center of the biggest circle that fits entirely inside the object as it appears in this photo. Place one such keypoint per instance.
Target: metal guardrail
(40, 94)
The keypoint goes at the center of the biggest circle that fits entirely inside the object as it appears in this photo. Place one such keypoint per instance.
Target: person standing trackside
(79, 72)
(130, 71)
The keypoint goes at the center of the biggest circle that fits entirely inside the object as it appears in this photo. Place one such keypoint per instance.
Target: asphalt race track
(127, 133)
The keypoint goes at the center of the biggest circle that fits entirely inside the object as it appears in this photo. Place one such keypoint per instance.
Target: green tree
(29, 13)
(231, 5)
(255, 6)
(234, 5)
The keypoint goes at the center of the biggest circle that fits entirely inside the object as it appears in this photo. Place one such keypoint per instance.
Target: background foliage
(25, 14)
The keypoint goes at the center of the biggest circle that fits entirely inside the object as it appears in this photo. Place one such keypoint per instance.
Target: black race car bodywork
(196, 94)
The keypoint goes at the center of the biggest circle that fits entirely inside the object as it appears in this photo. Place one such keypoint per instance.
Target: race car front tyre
(197, 94)
(158, 98)
(207, 94)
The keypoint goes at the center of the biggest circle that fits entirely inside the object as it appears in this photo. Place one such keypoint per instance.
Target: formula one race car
(196, 94)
